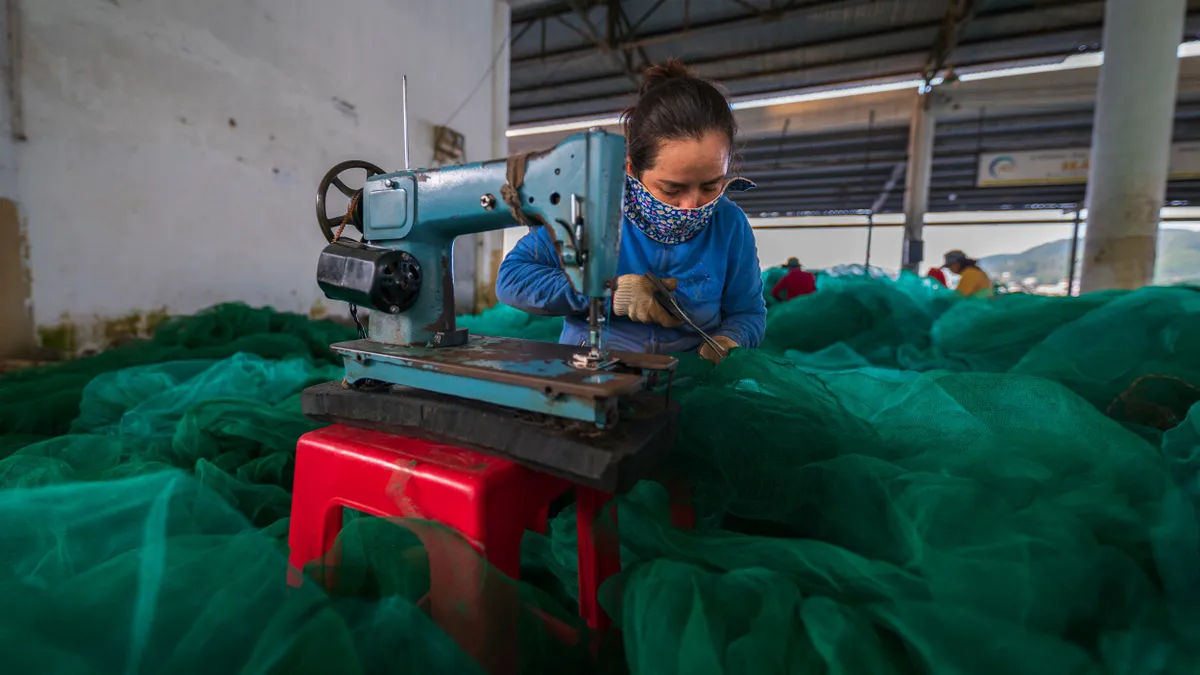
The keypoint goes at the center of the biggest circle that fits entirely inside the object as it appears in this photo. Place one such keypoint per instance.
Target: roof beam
(915, 28)
(716, 60)
(548, 11)
(797, 69)
(688, 32)
(612, 12)
(958, 14)
(886, 193)
(753, 8)
(626, 29)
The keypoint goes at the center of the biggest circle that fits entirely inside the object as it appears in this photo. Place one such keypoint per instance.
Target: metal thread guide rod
(597, 357)
(404, 116)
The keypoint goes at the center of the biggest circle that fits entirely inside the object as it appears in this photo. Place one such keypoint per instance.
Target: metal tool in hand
(664, 297)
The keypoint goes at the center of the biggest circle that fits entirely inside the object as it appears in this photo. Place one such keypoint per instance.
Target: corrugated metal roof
(578, 57)
(847, 171)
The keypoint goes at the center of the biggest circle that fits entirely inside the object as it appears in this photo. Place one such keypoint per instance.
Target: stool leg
(541, 522)
(316, 519)
(470, 600)
(314, 530)
(599, 552)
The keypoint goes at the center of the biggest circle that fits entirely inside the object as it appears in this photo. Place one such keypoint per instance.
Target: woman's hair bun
(672, 69)
(672, 104)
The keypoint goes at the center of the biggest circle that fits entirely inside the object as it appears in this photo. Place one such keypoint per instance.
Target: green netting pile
(899, 482)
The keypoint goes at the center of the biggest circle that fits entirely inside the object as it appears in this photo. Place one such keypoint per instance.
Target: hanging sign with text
(1050, 167)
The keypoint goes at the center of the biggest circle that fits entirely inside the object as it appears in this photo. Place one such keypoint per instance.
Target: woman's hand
(709, 354)
(634, 298)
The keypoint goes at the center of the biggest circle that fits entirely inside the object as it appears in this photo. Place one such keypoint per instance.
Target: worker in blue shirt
(678, 225)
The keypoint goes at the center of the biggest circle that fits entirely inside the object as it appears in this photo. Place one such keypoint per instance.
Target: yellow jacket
(974, 281)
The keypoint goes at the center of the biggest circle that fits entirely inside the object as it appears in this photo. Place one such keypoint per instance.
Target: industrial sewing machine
(478, 386)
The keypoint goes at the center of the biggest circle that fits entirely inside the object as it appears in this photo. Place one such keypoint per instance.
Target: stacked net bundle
(150, 536)
(874, 317)
(1137, 357)
(154, 573)
(878, 520)
(43, 401)
(898, 482)
(505, 321)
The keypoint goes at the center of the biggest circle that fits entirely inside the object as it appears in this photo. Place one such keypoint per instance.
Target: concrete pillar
(477, 256)
(490, 245)
(916, 180)
(1131, 142)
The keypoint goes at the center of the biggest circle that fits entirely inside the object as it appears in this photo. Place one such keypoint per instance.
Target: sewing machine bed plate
(534, 376)
(537, 365)
(610, 460)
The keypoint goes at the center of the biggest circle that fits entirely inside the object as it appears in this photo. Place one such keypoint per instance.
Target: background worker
(796, 282)
(677, 225)
(770, 277)
(972, 280)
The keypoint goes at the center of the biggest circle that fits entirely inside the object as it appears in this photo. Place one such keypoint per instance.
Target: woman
(797, 282)
(677, 224)
(972, 281)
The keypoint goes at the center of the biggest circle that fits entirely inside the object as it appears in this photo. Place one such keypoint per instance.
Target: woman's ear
(629, 167)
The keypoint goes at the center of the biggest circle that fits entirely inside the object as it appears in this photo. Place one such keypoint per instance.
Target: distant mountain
(1178, 260)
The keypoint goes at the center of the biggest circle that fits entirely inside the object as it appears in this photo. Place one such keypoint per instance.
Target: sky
(827, 247)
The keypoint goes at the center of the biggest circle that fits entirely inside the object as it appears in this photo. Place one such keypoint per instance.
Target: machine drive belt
(513, 179)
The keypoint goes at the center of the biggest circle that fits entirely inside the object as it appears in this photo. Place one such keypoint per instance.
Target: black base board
(610, 460)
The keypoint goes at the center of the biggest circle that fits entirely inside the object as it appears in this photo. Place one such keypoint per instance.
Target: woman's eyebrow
(673, 184)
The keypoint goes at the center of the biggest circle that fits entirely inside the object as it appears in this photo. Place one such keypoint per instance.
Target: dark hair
(673, 104)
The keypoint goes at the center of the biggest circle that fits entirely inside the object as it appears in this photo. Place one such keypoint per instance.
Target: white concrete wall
(174, 146)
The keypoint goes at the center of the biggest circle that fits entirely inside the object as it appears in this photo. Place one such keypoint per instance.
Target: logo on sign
(1001, 165)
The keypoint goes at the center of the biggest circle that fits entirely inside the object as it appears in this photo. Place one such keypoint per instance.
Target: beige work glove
(634, 298)
(709, 354)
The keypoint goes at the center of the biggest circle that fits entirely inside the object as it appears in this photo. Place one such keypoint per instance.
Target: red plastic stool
(488, 500)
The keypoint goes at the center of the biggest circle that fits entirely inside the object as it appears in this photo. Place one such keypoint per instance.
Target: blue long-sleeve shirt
(720, 285)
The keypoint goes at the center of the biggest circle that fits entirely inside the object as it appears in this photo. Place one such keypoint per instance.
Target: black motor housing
(380, 278)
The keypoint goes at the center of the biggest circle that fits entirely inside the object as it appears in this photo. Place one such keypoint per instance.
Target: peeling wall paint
(76, 336)
(16, 313)
(174, 147)
(16, 317)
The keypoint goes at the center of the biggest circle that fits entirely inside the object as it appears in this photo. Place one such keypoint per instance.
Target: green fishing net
(898, 482)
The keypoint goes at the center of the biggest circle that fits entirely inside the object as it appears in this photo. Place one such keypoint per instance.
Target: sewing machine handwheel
(330, 224)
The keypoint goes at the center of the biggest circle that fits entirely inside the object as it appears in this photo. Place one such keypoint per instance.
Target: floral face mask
(668, 224)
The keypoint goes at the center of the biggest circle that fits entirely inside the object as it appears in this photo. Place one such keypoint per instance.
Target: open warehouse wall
(823, 149)
(172, 148)
(840, 153)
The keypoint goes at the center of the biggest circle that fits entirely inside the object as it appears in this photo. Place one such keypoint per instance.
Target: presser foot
(595, 359)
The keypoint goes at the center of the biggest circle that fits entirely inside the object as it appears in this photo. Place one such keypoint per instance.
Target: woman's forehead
(688, 161)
